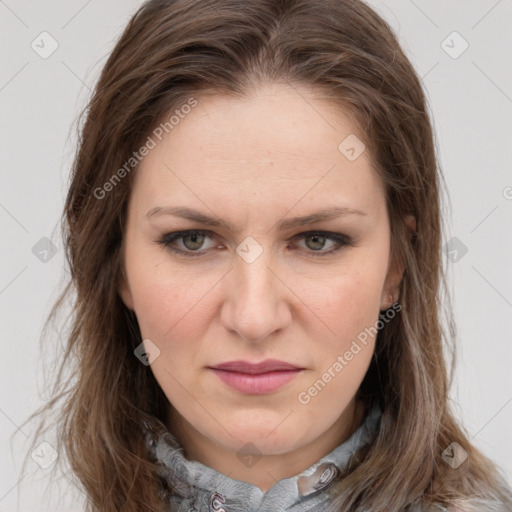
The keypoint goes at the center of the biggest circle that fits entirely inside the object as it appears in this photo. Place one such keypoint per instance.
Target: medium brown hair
(170, 51)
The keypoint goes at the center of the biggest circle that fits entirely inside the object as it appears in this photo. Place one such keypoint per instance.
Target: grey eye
(317, 242)
(195, 241)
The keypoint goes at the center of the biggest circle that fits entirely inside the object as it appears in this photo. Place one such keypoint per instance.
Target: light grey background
(471, 100)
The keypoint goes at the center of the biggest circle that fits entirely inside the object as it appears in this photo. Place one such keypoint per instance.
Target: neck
(269, 468)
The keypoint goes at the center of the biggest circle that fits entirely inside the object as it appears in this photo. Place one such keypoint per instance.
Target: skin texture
(253, 162)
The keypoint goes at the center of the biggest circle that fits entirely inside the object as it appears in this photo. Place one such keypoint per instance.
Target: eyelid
(340, 239)
(167, 239)
(327, 234)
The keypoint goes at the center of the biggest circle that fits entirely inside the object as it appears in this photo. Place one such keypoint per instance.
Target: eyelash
(342, 242)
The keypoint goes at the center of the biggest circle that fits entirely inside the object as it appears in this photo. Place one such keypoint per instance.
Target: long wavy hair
(174, 50)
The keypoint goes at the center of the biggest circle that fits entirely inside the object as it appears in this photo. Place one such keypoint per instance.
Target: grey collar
(199, 488)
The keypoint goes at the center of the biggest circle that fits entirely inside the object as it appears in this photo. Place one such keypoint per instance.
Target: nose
(257, 300)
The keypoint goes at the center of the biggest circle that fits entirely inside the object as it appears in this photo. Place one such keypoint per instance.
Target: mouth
(255, 384)
(256, 378)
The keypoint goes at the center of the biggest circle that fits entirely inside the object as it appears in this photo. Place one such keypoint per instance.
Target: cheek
(169, 303)
(348, 303)
(170, 313)
(350, 309)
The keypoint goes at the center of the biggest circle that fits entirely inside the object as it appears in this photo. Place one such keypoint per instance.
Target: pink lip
(256, 378)
(268, 365)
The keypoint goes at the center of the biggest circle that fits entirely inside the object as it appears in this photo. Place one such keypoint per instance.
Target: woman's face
(253, 285)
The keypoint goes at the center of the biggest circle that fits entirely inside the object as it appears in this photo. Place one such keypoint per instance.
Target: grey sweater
(203, 489)
(199, 488)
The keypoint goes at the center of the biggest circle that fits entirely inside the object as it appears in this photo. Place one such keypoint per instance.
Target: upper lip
(268, 365)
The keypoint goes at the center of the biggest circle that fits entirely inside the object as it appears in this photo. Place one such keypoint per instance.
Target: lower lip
(256, 384)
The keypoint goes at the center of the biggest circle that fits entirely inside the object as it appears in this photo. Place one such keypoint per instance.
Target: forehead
(279, 138)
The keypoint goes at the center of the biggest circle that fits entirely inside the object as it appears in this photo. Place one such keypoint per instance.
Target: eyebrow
(282, 225)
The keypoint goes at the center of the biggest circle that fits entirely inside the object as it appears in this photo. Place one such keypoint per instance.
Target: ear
(391, 289)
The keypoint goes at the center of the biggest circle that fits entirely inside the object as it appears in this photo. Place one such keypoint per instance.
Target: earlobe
(410, 222)
(389, 298)
(391, 291)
